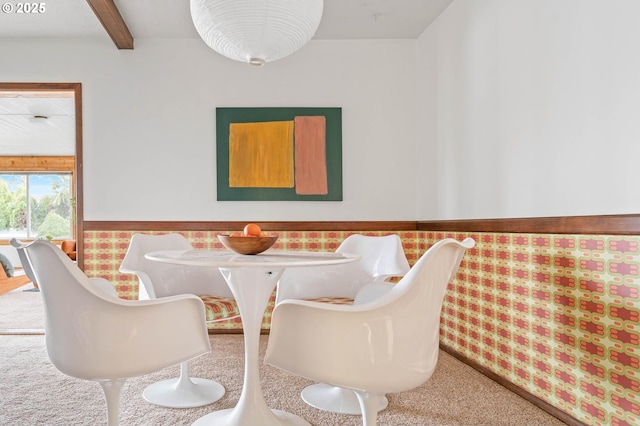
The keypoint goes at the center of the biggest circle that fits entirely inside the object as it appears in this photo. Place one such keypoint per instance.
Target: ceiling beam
(110, 18)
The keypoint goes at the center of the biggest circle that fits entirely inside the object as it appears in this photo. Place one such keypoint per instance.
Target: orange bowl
(247, 245)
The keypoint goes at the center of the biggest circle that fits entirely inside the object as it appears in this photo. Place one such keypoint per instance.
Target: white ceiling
(23, 134)
(342, 19)
(168, 19)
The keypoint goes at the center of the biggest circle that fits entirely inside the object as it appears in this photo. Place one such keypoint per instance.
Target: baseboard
(555, 412)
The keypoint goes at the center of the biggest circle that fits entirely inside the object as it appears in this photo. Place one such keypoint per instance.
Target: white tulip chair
(382, 258)
(91, 335)
(158, 280)
(387, 345)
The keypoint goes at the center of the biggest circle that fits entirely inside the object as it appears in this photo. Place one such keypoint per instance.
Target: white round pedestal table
(252, 279)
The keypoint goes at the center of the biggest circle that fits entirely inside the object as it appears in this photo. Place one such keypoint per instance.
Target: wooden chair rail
(609, 224)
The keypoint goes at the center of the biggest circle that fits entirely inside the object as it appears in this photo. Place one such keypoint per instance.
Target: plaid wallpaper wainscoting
(558, 316)
(104, 251)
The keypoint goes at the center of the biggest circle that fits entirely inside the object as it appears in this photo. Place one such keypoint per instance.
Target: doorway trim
(78, 168)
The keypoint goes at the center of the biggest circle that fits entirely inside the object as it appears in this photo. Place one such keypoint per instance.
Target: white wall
(534, 108)
(149, 123)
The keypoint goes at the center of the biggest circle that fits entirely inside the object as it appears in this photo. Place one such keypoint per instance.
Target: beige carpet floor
(21, 311)
(33, 392)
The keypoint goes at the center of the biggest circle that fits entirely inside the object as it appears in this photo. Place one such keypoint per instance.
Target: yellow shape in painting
(261, 155)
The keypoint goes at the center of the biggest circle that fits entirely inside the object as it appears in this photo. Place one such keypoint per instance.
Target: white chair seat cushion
(218, 308)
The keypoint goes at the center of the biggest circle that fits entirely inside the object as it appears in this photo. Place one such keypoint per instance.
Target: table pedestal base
(231, 417)
(251, 288)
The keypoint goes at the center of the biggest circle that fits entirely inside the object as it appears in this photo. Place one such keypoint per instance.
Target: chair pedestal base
(335, 399)
(173, 393)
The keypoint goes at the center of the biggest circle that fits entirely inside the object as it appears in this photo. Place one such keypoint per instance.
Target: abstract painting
(279, 154)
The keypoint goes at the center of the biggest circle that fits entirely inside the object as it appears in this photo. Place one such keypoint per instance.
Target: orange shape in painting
(311, 157)
(261, 155)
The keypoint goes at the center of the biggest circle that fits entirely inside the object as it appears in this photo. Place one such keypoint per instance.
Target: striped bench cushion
(333, 300)
(219, 308)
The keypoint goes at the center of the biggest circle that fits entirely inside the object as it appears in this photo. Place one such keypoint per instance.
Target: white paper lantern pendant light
(256, 31)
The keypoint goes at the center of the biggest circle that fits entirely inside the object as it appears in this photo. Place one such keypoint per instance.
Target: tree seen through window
(48, 212)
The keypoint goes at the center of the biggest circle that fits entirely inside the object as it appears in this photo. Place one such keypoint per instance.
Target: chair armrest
(327, 343)
(356, 347)
(132, 338)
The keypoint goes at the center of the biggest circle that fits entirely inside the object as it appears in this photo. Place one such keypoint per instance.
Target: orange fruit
(252, 230)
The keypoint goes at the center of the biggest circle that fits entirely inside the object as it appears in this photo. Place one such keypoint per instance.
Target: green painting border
(226, 116)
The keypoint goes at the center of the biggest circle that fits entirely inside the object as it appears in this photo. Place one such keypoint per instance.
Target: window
(36, 205)
(37, 197)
